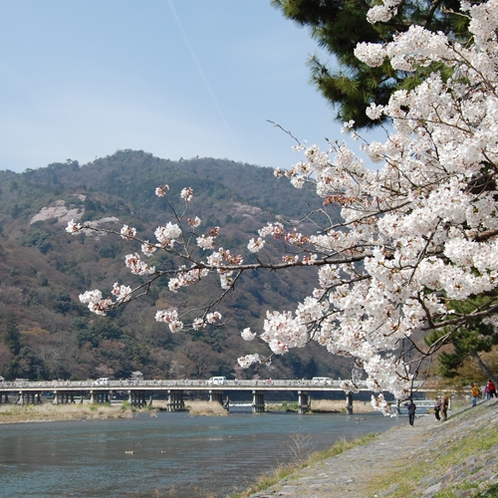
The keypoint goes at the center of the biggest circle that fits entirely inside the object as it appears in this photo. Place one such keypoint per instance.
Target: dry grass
(49, 412)
(209, 408)
(13, 414)
(330, 406)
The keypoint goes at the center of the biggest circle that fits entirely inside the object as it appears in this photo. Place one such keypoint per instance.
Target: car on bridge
(321, 381)
(217, 381)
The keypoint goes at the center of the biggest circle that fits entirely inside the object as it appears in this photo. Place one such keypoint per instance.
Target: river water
(168, 455)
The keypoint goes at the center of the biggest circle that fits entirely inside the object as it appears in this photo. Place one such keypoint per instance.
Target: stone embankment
(457, 458)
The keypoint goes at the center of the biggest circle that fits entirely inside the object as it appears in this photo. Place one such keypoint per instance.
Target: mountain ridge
(47, 333)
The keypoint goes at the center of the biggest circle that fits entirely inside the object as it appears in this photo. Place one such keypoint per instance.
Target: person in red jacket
(491, 389)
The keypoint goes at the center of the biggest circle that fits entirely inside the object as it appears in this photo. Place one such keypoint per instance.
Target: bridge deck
(185, 385)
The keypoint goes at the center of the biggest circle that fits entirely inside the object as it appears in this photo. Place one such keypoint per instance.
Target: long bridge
(142, 392)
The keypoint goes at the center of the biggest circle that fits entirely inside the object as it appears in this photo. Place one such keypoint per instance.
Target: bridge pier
(258, 402)
(303, 402)
(99, 397)
(25, 398)
(137, 398)
(216, 396)
(63, 397)
(349, 403)
(175, 401)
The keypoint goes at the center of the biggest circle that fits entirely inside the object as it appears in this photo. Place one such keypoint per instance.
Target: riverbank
(11, 414)
(48, 412)
(321, 406)
(453, 459)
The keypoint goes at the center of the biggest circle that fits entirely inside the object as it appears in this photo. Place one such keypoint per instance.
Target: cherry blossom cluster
(283, 331)
(137, 266)
(248, 335)
(171, 318)
(212, 318)
(293, 239)
(249, 359)
(186, 278)
(122, 293)
(383, 12)
(168, 237)
(207, 241)
(96, 303)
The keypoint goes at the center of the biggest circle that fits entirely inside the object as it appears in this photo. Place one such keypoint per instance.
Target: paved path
(354, 473)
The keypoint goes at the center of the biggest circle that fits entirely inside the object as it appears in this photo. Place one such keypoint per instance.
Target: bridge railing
(180, 383)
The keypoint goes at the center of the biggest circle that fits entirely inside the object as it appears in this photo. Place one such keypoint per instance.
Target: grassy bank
(205, 408)
(453, 459)
(11, 414)
(404, 479)
(331, 406)
(322, 406)
(86, 411)
(283, 471)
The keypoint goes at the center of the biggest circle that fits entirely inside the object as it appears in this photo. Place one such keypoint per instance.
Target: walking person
(475, 392)
(444, 407)
(437, 408)
(491, 389)
(411, 411)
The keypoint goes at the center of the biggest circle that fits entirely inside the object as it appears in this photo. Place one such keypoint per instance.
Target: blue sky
(81, 79)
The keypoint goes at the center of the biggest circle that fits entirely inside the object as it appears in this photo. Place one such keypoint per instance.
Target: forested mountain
(45, 332)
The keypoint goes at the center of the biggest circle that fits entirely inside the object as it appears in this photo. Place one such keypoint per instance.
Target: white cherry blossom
(248, 360)
(247, 334)
(213, 318)
(187, 194)
(168, 233)
(128, 233)
(73, 227)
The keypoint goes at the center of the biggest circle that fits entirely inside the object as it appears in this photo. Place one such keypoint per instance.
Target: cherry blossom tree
(413, 235)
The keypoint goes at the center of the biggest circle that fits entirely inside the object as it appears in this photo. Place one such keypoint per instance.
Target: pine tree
(466, 342)
(339, 25)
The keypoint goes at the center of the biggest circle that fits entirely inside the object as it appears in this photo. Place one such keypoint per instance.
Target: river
(171, 455)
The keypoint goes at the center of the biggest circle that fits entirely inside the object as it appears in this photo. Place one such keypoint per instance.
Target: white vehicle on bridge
(217, 381)
(321, 381)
